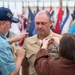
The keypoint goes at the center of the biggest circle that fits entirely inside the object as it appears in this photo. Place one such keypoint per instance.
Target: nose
(40, 25)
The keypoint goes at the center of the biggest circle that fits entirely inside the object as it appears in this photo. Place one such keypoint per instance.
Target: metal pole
(60, 2)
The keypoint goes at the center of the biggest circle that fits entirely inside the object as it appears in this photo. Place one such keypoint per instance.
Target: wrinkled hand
(45, 43)
(18, 37)
(20, 53)
(55, 40)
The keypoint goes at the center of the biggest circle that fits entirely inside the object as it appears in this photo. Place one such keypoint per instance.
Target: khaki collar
(36, 39)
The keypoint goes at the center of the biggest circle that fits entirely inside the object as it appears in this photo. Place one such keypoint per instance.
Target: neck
(1, 33)
(41, 37)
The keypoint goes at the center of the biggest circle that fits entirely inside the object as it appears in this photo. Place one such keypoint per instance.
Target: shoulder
(53, 34)
(57, 35)
(3, 42)
(30, 41)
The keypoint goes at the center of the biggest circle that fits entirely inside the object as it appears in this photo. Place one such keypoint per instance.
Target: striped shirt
(7, 64)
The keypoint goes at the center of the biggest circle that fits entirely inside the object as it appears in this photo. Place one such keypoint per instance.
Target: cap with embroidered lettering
(6, 15)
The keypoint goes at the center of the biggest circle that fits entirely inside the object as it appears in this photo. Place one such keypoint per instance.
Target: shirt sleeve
(42, 62)
(7, 64)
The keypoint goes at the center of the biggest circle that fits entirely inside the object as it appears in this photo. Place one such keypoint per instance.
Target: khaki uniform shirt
(32, 46)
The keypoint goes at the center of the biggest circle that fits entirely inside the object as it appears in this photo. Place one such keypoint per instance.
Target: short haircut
(67, 47)
(48, 15)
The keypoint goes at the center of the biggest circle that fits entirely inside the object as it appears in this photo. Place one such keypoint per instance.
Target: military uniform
(32, 46)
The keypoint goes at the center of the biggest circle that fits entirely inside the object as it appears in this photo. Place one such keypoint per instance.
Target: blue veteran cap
(6, 15)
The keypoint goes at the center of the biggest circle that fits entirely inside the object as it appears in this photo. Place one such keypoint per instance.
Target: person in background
(7, 64)
(64, 65)
(32, 44)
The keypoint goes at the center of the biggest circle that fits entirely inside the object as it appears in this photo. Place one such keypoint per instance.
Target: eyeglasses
(42, 23)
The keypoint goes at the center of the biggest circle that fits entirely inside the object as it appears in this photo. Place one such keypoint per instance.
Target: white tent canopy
(14, 4)
(40, 3)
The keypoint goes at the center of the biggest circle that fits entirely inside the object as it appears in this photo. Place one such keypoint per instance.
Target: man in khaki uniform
(32, 44)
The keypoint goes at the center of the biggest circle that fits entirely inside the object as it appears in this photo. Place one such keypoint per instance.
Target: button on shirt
(7, 64)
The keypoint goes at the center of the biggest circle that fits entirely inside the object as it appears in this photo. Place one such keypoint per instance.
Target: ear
(51, 22)
(2, 23)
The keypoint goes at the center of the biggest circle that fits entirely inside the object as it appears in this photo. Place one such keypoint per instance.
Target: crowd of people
(45, 53)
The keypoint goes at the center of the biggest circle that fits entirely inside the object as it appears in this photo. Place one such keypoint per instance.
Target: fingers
(26, 35)
(20, 52)
(20, 36)
(53, 40)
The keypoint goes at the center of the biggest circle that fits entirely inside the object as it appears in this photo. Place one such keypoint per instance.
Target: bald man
(32, 44)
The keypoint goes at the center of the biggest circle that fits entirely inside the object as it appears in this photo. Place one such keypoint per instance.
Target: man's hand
(20, 53)
(18, 38)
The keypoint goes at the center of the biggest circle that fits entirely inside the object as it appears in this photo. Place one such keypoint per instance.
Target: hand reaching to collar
(52, 40)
